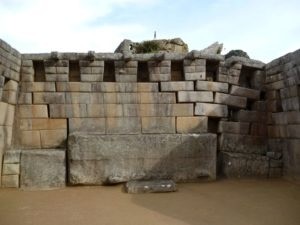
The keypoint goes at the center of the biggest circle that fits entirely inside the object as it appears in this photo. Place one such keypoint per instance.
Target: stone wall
(247, 110)
(283, 104)
(10, 61)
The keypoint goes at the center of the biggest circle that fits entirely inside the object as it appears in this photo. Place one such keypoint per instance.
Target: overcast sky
(266, 29)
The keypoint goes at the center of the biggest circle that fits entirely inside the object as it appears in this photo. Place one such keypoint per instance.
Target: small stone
(151, 186)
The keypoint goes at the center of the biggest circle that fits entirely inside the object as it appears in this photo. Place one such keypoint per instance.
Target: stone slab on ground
(105, 159)
(43, 168)
(150, 186)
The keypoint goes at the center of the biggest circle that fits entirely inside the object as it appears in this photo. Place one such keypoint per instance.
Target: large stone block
(195, 96)
(43, 124)
(33, 111)
(38, 86)
(195, 124)
(43, 169)
(147, 87)
(177, 86)
(30, 139)
(10, 181)
(233, 127)
(245, 92)
(211, 110)
(291, 160)
(158, 125)
(123, 125)
(102, 159)
(240, 143)
(237, 165)
(53, 138)
(76, 98)
(166, 110)
(234, 101)
(73, 86)
(87, 125)
(11, 169)
(121, 98)
(12, 156)
(68, 110)
(250, 116)
(146, 98)
(212, 86)
(49, 98)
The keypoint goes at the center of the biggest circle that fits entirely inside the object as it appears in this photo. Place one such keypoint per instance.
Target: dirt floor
(244, 202)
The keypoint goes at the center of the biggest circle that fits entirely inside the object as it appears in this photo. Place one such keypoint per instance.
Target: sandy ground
(246, 202)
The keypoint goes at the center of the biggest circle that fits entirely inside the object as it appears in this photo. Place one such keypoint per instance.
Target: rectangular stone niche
(105, 159)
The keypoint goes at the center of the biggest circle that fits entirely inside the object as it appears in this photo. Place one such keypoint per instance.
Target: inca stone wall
(10, 61)
(101, 118)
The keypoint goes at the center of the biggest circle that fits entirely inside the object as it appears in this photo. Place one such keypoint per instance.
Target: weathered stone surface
(123, 125)
(166, 110)
(158, 125)
(146, 98)
(10, 169)
(43, 169)
(12, 156)
(99, 159)
(53, 138)
(233, 127)
(291, 160)
(87, 125)
(245, 92)
(212, 110)
(195, 96)
(177, 86)
(239, 143)
(234, 101)
(30, 139)
(212, 86)
(33, 111)
(43, 124)
(195, 124)
(151, 186)
(237, 165)
(213, 49)
(10, 181)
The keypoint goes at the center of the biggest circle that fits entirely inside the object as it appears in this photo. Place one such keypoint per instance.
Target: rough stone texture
(237, 165)
(233, 127)
(196, 124)
(43, 169)
(152, 186)
(211, 110)
(100, 159)
(239, 143)
(212, 86)
(10, 181)
(195, 96)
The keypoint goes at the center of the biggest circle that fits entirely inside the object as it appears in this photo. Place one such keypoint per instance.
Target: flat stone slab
(95, 159)
(43, 169)
(151, 186)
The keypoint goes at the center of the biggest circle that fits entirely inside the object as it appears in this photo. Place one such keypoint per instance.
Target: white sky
(265, 29)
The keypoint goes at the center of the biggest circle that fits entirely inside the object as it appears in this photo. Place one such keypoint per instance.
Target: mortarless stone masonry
(98, 118)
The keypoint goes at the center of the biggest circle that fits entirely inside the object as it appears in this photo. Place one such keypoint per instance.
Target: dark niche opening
(143, 72)
(39, 71)
(109, 71)
(74, 71)
(212, 70)
(177, 71)
(246, 76)
(212, 124)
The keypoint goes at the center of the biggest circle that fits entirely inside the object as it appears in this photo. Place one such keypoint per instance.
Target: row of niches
(119, 71)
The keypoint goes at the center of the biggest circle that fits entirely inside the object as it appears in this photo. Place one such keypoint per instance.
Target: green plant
(148, 47)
